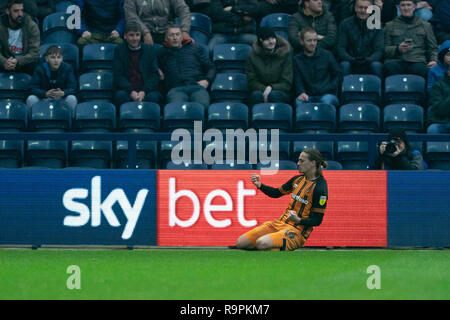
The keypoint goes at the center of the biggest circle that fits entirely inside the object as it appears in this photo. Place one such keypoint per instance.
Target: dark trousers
(392, 67)
(274, 96)
(122, 97)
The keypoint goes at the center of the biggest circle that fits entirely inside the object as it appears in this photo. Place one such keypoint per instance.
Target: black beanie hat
(265, 33)
(398, 133)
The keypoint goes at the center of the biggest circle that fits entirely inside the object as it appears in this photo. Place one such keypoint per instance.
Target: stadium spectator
(44, 8)
(341, 9)
(19, 40)
(397, 153)
(304, 212)
(135, 69)
(410, 44)
(360, 49)
(269, 68)
(276, 6)
(312, 14)
(441, 20)
(233, 21)
(53, 79)
(29, 6)
(101, 21)
(186, 68)
(154, 16)
(439, 113)
(388, 10)
(438, 71)
(316, 72)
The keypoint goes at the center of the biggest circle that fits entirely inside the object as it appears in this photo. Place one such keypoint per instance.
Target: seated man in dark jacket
(401, 157)
(439, 112)
(186, 68)
(54, 80)
(360, 49)
(316, 72)
(101, 21)
(135, 69)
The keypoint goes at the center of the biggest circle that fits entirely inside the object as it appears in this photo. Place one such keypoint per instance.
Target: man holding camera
(397, 153)
(410, 44)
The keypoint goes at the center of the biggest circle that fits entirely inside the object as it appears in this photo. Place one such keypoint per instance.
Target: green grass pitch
(174, 274)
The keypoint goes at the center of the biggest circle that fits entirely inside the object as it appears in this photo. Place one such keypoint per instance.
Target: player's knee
(263, 243)
(242, 242)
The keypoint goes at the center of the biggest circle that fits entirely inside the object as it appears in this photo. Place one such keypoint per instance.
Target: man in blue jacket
(101, 21)
(186, 68)
(54, 80)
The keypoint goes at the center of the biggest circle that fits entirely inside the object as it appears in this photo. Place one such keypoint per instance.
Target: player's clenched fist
(292, 216)
(255, 180)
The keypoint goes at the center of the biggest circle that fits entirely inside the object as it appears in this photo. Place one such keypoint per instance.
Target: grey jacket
(155, 17)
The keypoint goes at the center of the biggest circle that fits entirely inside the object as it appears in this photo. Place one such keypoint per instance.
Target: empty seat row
(307, 118)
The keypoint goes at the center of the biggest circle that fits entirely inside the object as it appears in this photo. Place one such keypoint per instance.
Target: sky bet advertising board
(79, 207)
(176, 208)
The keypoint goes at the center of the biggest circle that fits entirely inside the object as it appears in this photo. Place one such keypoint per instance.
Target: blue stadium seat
(13, 116)
(165, 152)
(94, 117)
(353, 155)
(139, 115)
(92, 154)
(255, 151)
(229, 87)
(96, 86)
(47, 153)
(11, 153)
(359, 116)
(278, 22)
(54, 29)
(326, 148)
(201, 28)
(315, 116)
(404, 88)
(438, 155)
(48, 116)
(62, 6)
(272, 115)
(97, 56)
(183, 166)
(146, 154)
(224, 115)
(182, 115)
(334, 165)
(279, 165)
(14, 85)
(70, 53)
(231, 57)
(407, 116)
(361, 88)
(232, 166)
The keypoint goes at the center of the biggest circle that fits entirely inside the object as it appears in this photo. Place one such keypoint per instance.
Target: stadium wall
(212, 208)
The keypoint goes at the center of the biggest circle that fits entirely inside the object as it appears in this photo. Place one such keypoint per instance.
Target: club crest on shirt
(322, 200)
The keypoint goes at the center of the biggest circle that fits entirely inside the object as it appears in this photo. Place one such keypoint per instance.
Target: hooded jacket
(30, 40)
(324, 24)
(408, 159)
(186, 65)
(316, 75)
(424, 42)
(274, 69)
(439, 111)
(438, 71)
(65, 80)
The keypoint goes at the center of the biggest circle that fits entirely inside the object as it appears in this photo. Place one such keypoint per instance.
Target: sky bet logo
(98, 207)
